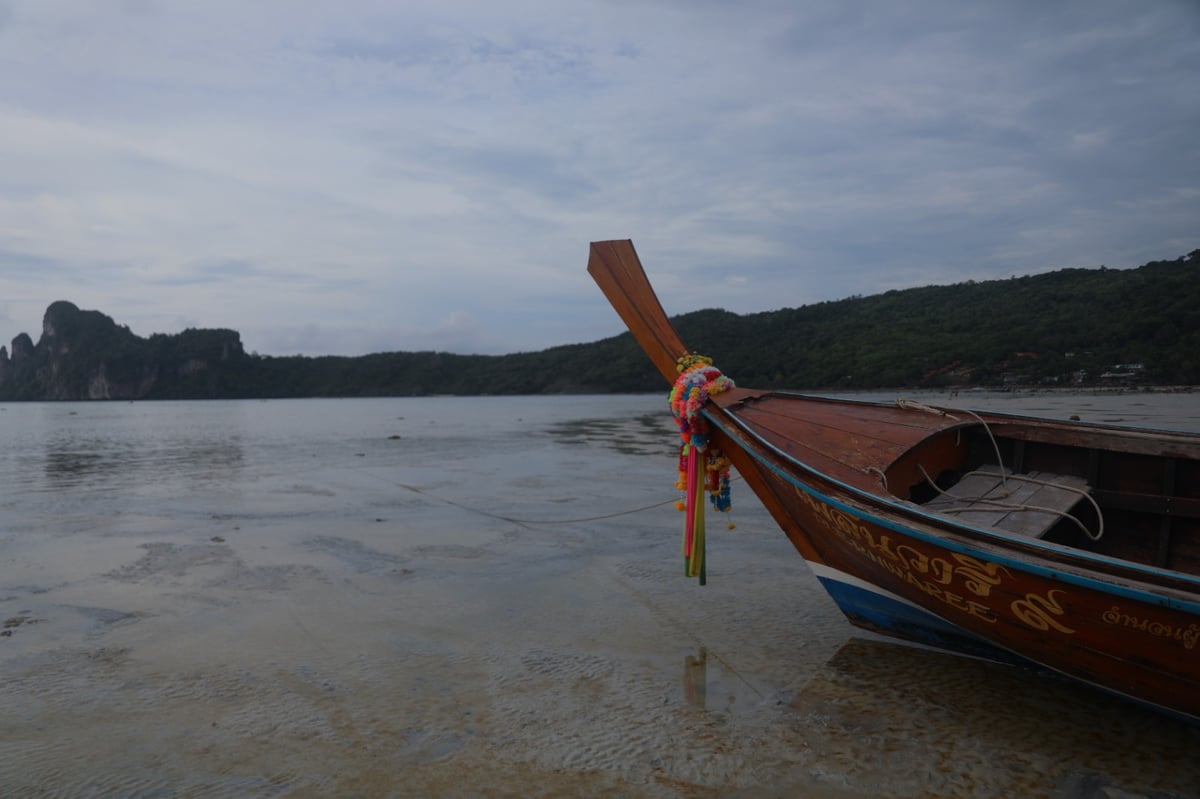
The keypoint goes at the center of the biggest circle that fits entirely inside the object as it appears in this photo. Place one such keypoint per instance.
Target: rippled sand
(361, 626)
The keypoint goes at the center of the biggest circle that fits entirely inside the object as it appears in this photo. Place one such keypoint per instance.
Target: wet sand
(360, 624)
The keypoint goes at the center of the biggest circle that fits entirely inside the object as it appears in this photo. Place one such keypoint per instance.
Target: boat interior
(1135, 497)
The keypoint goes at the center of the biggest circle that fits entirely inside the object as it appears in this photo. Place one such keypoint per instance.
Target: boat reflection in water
(916, 716)
(695, 679)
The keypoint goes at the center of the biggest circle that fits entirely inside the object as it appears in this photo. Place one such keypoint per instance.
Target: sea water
(480, 597)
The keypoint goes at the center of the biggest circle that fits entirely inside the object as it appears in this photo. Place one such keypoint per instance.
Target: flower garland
(701, 468)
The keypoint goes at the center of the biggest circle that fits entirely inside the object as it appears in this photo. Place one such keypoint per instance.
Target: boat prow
(1071, 546)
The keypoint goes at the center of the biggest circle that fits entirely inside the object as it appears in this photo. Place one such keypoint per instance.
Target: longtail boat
(1071, 546)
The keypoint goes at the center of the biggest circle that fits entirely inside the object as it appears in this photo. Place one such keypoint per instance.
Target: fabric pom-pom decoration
(701, 468)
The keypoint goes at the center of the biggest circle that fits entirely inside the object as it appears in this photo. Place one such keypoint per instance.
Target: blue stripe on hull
(888, 616)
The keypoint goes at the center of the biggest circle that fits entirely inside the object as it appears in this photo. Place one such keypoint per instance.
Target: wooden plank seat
(1011, 502)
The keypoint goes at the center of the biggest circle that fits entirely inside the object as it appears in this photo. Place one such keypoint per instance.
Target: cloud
(348, 175)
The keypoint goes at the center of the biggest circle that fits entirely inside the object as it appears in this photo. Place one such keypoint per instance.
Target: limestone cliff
(86, 355)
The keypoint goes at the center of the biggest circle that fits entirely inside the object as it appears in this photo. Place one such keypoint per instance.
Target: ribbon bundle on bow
(701, 467)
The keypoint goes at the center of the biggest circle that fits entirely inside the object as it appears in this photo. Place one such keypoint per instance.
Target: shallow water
(478, 597)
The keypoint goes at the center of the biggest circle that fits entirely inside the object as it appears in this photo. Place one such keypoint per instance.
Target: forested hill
(1065, 326)
(1070, 327)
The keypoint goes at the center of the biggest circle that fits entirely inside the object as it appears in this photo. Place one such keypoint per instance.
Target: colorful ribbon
(701, 467)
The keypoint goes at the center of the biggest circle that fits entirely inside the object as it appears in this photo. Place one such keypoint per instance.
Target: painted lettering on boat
(1039, 612)
(932, 576)
(1188, 636)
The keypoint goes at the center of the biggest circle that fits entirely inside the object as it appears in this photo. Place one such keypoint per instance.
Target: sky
(376, 175)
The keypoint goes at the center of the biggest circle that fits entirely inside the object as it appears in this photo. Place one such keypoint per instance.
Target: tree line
(1067, 327)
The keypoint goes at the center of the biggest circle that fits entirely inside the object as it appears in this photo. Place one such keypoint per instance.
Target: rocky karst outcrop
(86, 355)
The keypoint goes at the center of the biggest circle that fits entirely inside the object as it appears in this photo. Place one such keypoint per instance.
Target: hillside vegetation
(1065, 326)
(1069, 327)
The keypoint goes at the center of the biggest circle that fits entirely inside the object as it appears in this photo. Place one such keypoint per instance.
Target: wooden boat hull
(914, 579)
(855, 487)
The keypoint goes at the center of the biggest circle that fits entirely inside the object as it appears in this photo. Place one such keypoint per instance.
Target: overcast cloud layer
(369, 175)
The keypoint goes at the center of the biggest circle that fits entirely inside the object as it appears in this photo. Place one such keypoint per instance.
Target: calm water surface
(479, 597)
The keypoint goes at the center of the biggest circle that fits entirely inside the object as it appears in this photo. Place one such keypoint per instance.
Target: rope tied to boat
(1005, 476)
(913, 405)
(1019, 506)
(702, 467)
